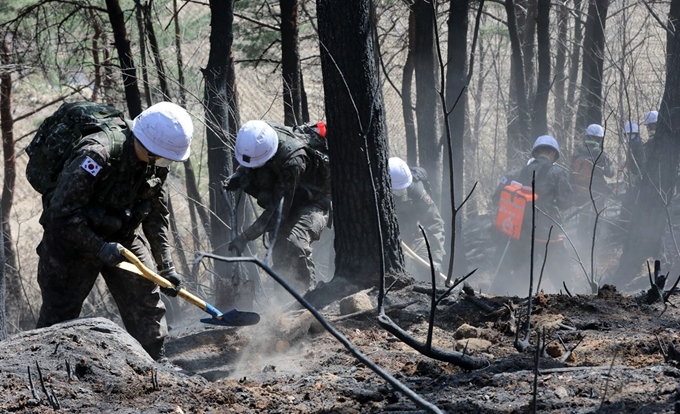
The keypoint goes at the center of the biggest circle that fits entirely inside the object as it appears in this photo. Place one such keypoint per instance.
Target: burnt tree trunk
(355, 119)
(16, 306)
(527, 32)
(673, 21)
(426, 94)
(127, 65)
(590, 101)
(456, 85)
(649, 221)
(231, 291)
(539, 119)
(518, 111)
(406, 95)
(290, 62)
(96, 62)
(155, 51)
(575, 60)
(142, 51)
(560, 77)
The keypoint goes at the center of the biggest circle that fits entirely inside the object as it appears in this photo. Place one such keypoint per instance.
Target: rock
(561, 393)
(554, 350)
(473, 345)
(358, 302)
(466, 331)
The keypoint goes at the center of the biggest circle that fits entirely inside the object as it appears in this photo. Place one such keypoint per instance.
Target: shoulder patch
(91, 166)
(504, 180)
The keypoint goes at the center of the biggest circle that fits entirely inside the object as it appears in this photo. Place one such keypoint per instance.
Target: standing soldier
(590, 165)
(634, 169)
(414, 206)
(650, 122)
(281, 163)
(553, 197)
(113, 184)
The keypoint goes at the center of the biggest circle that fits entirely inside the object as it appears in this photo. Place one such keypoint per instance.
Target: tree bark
(527, 32)
(127, 65)
(155, 51)
(649, 220)
(354, 111)
(560, 78)
(590, 101)
(231, 291)
(142, 51)
(290, 62)
(539, 119)
(406, 94)
(518, 111)
(575, 60)
(426, 94)
(16, 306)
(456, 83)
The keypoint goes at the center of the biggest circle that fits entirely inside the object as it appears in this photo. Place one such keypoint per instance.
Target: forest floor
(289, 364)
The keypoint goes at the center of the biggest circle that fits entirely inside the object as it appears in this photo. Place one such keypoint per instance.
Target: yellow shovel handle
(136, 266)
(417, 258)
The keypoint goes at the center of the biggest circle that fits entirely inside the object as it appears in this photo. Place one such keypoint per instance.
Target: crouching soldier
(513, 202)
(281, 163)
(111, 187)
(414, 206)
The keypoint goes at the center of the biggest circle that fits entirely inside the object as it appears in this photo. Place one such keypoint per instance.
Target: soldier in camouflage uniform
(101, 200)
(277, 164)
(415, 206)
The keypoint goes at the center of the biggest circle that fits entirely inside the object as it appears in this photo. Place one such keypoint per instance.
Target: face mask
(162, 162)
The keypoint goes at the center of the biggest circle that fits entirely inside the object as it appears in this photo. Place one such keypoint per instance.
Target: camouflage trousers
(66, 277)
(292, 255)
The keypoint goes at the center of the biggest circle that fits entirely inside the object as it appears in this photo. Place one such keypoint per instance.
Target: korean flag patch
(91, 166)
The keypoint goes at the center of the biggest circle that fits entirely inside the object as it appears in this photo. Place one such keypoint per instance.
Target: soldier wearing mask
(103, 200)
(280, 163)
(415, 206)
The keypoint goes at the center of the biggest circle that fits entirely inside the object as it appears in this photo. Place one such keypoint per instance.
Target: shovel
(231, 318)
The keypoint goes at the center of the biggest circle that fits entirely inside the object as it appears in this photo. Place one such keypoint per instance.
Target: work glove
(238, 245)
(173, 277)
(110, 254)
(233, 183)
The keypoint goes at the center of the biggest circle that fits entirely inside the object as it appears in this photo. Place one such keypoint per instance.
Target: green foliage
(252, 40)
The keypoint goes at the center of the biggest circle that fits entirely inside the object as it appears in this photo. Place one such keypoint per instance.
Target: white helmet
(256, 143)
(595, 130)
(546, 141)
(631, 128)
(651, 117)
(165, 130)
(400, 173)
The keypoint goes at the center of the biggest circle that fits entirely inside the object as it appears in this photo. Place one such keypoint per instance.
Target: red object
(514, 198)
(321, 127)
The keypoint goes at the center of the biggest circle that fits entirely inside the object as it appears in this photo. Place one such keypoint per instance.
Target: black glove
(110, 254)
(233, 183)
(238, 245)
(173, 277)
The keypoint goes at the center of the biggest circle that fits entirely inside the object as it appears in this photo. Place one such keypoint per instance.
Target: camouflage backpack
(61, 132)
(305, 136)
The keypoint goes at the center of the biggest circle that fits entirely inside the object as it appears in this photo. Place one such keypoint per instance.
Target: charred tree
(518, 111)
(575, 60)
(16, 305)
(590, 101)
(231, 291)
(456, 86)
(527, 32)
(560, 76)
(539, 119)
(406, 94)
(290, 62)
(355, 115)
(127, 65)
(649, 221)
(673, 21)
(426, 93)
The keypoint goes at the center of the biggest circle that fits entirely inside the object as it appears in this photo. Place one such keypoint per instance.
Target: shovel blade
(234, 318)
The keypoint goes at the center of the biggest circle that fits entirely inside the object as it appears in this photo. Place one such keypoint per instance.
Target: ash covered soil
(289, 364)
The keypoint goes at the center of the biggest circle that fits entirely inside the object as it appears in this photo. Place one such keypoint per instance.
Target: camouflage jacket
(417, 207)
(290, 174)
(101, 198)
(554, 192)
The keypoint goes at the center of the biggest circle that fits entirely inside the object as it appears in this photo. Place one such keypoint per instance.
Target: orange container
(511, 208)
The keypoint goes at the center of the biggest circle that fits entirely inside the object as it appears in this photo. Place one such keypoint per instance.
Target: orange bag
(510, 216)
